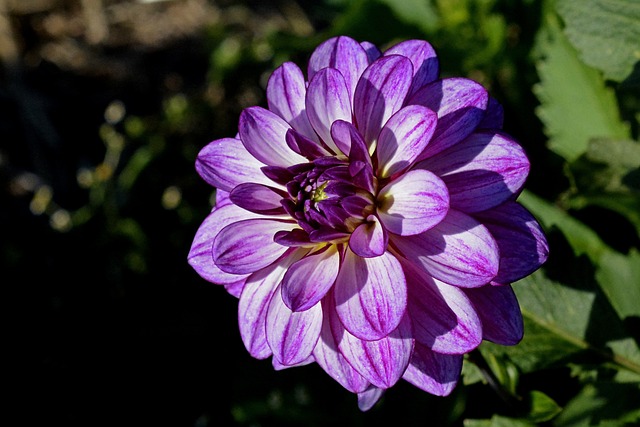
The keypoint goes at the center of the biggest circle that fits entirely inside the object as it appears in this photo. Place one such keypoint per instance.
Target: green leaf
(606, 32)
(498, 421)
(417, 12)
(541, 407)
(602, 404)
(575, 106)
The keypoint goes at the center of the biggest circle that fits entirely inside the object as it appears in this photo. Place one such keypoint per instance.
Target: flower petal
(201, 252)
(372, 50)
(522, 243)
(433, 372)
(258, 198)
(459, 251)
(331, 360)
(225, 163)
(403, 138)
(499, 312)
(483, 171)
(247, 246)
(413, 203)
(291, 335)
(370, 295)
(308, 280)
(263, 134)
(278, 366)
(382, 361)
(328, 100)
(494, 116)
(369, 239)
(460, 104)
(344, 54)
(286, 92)
(380, 93)
(368, 398)
(443, 317)
(424, 59)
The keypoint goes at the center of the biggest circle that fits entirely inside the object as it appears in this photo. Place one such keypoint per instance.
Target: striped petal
(369, 239)
(499, 312)
(258, 198)
(433, 372)
(263, 134)
(459, 251)
(308, 280)
(460, 104)
(286, 92)
(247, 246)
(521, 241)
(370, 295)
(225, 163)
(328, 100)
(423, 57)
(345, 55)
(413, 203)
(403, 138)
(292, 335)
(380, 93)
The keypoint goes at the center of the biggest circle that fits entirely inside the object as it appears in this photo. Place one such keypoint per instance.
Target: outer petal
(308, 280)
(369, 239)
(500, 313)
(286, 92)
(372, 50)
(433, 372)
(201, 252)
(369, 397)
(460, 104)
(331, 360)
(381, 362)
(247, 246)
(370, 295)
(225, 163)
(380, 93)
(342, 53)
(403, 138)
(292, 335)
(522, 243)
(494, 116)
(263, 134)
(424, 60)
(459, 251)
(328, 100)
(258, 198)
(483, 171)
(254, 302)
(443, 317)
(413, 203)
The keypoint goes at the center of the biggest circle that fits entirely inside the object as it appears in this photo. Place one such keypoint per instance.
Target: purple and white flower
(367, 219)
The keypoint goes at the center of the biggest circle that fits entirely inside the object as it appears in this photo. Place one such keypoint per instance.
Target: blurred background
(104, 106)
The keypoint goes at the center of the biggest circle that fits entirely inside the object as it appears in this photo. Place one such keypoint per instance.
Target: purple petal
(433, 372)
(372, 50)
(278, 366)
(443, 317)
(222, 198)
(349, 141)
(291, 335)
(369, 239)
(459, 251)
(460, 104)
(286, 92)
(201, 252)
(380, 93)
(331, 360)
(258, 198)
(382, 361)
(308, 280)
(482, 172)
(499, 312)
(369, 397)
(225, 163)
(413, 203)
(424, 60)
(370, 295)
(247, 246)
(305, 146)
(494, 116)
(342, 53)
(254, 302)
(235, 288)
(328, 100)
(521, 241)
(263, 134)
(403, 138)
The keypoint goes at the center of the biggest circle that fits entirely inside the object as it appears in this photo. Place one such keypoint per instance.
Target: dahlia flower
(367, 219)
